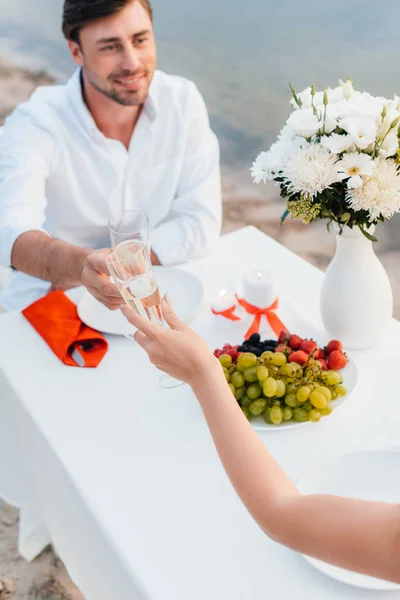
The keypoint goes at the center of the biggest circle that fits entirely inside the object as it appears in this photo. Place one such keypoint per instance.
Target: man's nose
(131, 60)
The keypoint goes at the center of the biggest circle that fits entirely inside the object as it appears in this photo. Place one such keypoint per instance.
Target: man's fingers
(149, 329)
(98, 261)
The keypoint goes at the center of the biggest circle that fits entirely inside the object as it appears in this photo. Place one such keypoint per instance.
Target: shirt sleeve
(25, 158)
(194, 223)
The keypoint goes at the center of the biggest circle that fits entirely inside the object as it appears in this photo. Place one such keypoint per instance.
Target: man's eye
(141, 40)
(108, 48)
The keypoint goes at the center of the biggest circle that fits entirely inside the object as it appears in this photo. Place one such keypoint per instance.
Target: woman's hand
(178, 351)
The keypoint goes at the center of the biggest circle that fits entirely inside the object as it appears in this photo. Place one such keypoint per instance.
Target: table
(122, 476)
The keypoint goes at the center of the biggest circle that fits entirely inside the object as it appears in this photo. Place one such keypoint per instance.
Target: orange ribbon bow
(273, 319)
(228, 313)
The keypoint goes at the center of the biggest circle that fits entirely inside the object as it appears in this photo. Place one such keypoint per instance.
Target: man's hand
(96, 278)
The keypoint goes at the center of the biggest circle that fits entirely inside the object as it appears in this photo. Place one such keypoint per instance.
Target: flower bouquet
(337, 158)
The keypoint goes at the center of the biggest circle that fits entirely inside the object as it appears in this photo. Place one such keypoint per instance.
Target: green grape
(296, 367)
(270, 387)
(240, 393)
(307, 406)
(266, 356)
(279, 359)
(281, 391)
(232, 388)
(262, 373)
(273, 369)
(225, 360)
(227, 375)
(246, 412)
(287, 413)
(267, 416)
(314, 415)
(335, 395)
(237, 379)
(247, 359)
(276, 402)
(291, 401)
(326, 410)
(323, 390)
(250, 375)
(257, 407)
(276, 415)
(286, 369)
(333, 377)
(318, 400)
(292, 388)
(254, 391)
(341, 390)
(245, 401)
(303, 393)
(300, 415)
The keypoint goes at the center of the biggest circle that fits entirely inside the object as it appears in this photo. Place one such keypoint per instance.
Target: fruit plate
(372, 475)
(350, 380)
(185, 290)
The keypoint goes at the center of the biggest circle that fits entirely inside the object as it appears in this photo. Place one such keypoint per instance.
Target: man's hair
(78, 13)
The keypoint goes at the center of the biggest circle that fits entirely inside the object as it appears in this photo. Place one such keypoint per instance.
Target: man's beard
(124, 98)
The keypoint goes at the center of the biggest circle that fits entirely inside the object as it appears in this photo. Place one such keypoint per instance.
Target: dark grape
(254, 339)
(272, 343)
(255, 350)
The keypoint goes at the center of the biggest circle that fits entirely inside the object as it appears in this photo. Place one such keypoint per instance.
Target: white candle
(220, 303)
(259, 288)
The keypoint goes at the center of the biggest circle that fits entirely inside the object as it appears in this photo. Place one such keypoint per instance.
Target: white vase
(356, 298)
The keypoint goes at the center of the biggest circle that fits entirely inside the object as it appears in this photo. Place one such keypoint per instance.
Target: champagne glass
(131, 270)
(129, 225)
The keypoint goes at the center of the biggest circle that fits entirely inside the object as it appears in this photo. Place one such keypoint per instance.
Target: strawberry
(334, 345)
(300, 357)
(337, 360)
(283, 336)
(217, 353)
(319, 353)
(308, 346)
(283, 348)
(323, 364)
(295, 342)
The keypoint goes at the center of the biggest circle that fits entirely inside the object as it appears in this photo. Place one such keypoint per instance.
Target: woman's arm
(354, 534)
(357, 535)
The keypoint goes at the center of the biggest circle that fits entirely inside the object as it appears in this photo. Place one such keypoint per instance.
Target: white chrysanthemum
(261, 169)
(336, 143)
(310, 170)
(304, 122)
(268, 164)
(362, 129)
(390, 145)
(352, 166)
(379, 193)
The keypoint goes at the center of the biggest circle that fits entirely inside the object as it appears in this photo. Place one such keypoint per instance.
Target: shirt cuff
(166, 241)
(8, 237)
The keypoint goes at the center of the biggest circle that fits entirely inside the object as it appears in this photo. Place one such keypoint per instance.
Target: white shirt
(61, 175)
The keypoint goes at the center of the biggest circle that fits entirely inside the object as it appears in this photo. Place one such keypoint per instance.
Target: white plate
(186, 293)
(350, 380)
(373, 475)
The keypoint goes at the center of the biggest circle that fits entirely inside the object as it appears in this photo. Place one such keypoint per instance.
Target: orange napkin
(56, 320)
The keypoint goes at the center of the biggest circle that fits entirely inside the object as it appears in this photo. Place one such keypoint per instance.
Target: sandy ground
(244, 204)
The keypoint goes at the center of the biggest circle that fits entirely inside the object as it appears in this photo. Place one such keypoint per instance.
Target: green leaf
(369, 237)
(285, 214)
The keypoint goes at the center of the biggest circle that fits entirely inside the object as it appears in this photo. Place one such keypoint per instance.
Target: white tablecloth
(122, 477)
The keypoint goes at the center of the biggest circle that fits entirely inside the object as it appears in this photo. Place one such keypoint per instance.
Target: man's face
(118, 54)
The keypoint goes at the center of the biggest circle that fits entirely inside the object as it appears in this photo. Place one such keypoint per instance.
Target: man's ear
(76, 52)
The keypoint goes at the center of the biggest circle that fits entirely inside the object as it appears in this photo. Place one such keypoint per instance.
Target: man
(120, 135)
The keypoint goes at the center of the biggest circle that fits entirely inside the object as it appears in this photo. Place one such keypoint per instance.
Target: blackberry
(254, 339)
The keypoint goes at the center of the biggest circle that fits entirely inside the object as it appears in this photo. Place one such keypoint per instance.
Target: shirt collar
(74, 87)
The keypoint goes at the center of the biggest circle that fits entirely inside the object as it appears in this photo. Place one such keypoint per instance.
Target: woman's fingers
(170, 315)
(149, 329)
(142, 339)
